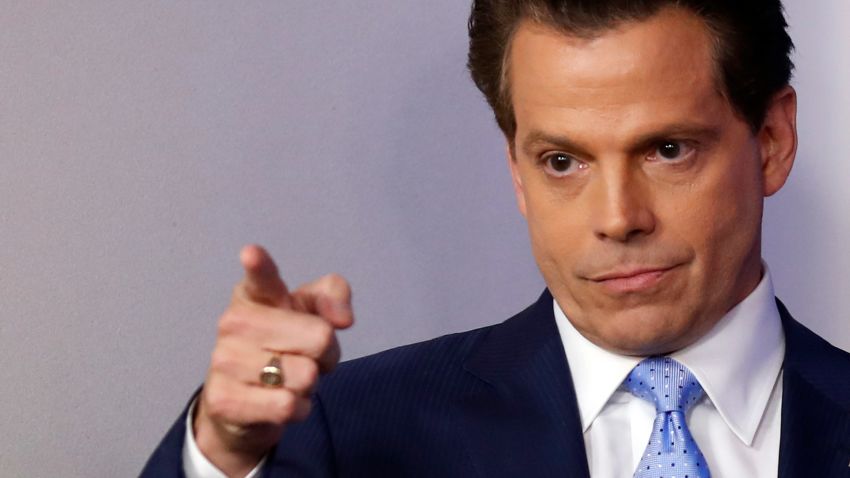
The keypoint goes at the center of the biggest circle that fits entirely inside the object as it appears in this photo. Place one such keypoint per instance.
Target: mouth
(632, 280)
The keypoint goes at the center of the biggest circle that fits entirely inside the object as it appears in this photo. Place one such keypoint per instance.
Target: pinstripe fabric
(499, 402)
(815, 440)
(458, 406)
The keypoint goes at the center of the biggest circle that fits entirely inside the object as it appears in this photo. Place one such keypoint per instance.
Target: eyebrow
(703, 133)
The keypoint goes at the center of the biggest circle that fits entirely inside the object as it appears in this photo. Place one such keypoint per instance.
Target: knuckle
(337, 284)
(311, 373)
(222, 360)
(322, 336)
(219, 405)
(231, 323)
(284, 407)
(305, 376)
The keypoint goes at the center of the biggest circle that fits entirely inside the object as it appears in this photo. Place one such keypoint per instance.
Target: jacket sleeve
(166, 461)
(305, 450)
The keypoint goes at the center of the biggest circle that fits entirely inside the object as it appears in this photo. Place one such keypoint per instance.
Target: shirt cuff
(195, 464)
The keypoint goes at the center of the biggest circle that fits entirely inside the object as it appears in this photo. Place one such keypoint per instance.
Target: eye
(562, 164)
(671, 151)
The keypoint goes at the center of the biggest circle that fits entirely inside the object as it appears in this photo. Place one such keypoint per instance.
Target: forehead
(636, 74)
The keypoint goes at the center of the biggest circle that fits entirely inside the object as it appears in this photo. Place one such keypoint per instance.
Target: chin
(649, 330)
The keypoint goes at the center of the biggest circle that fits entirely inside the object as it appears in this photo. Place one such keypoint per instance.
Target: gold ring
(272, 374)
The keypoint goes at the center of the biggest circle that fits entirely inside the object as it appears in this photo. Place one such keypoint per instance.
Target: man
(642, 138)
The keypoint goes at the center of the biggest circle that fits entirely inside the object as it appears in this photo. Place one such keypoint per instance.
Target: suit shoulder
(823, 365)
(442, 356)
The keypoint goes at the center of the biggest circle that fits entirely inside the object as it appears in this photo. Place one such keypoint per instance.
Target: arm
(238, 419)
(305, 450)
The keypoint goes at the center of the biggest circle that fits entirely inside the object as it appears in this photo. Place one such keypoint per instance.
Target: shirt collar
(737, 362)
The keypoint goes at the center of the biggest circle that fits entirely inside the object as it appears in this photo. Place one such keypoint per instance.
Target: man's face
(642, 188)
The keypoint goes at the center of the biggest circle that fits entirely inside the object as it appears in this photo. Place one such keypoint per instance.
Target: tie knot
(666, 383)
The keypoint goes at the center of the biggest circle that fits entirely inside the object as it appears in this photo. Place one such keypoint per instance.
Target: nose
(623, 207)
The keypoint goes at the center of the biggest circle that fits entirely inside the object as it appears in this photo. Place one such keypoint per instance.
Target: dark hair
(752, 46)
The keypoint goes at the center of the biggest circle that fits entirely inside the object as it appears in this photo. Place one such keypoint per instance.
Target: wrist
(224, 446)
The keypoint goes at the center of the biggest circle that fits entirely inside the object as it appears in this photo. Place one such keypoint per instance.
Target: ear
(778, 140)
(516, 178)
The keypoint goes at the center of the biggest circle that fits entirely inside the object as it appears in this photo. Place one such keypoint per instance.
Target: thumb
(329, 297)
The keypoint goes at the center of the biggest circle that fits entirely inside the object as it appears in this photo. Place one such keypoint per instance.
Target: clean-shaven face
(642, 187)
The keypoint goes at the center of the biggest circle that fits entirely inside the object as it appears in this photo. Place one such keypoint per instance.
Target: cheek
(556, 233)
(723, 215)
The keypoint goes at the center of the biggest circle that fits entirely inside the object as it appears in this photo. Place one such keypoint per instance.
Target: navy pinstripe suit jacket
(499, 402)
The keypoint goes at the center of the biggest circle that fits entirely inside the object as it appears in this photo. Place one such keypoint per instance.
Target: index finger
(262, 282)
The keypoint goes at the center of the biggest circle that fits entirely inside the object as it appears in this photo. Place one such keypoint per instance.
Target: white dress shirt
(736, 425)
(195, 464)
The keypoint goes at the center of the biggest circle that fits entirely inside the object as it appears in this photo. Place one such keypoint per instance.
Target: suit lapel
(522, 419)
(815, 436)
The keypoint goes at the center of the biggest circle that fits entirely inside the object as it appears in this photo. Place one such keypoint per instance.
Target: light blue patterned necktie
(671, 451)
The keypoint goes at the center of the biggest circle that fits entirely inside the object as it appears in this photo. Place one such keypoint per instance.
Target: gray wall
(142, 143)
